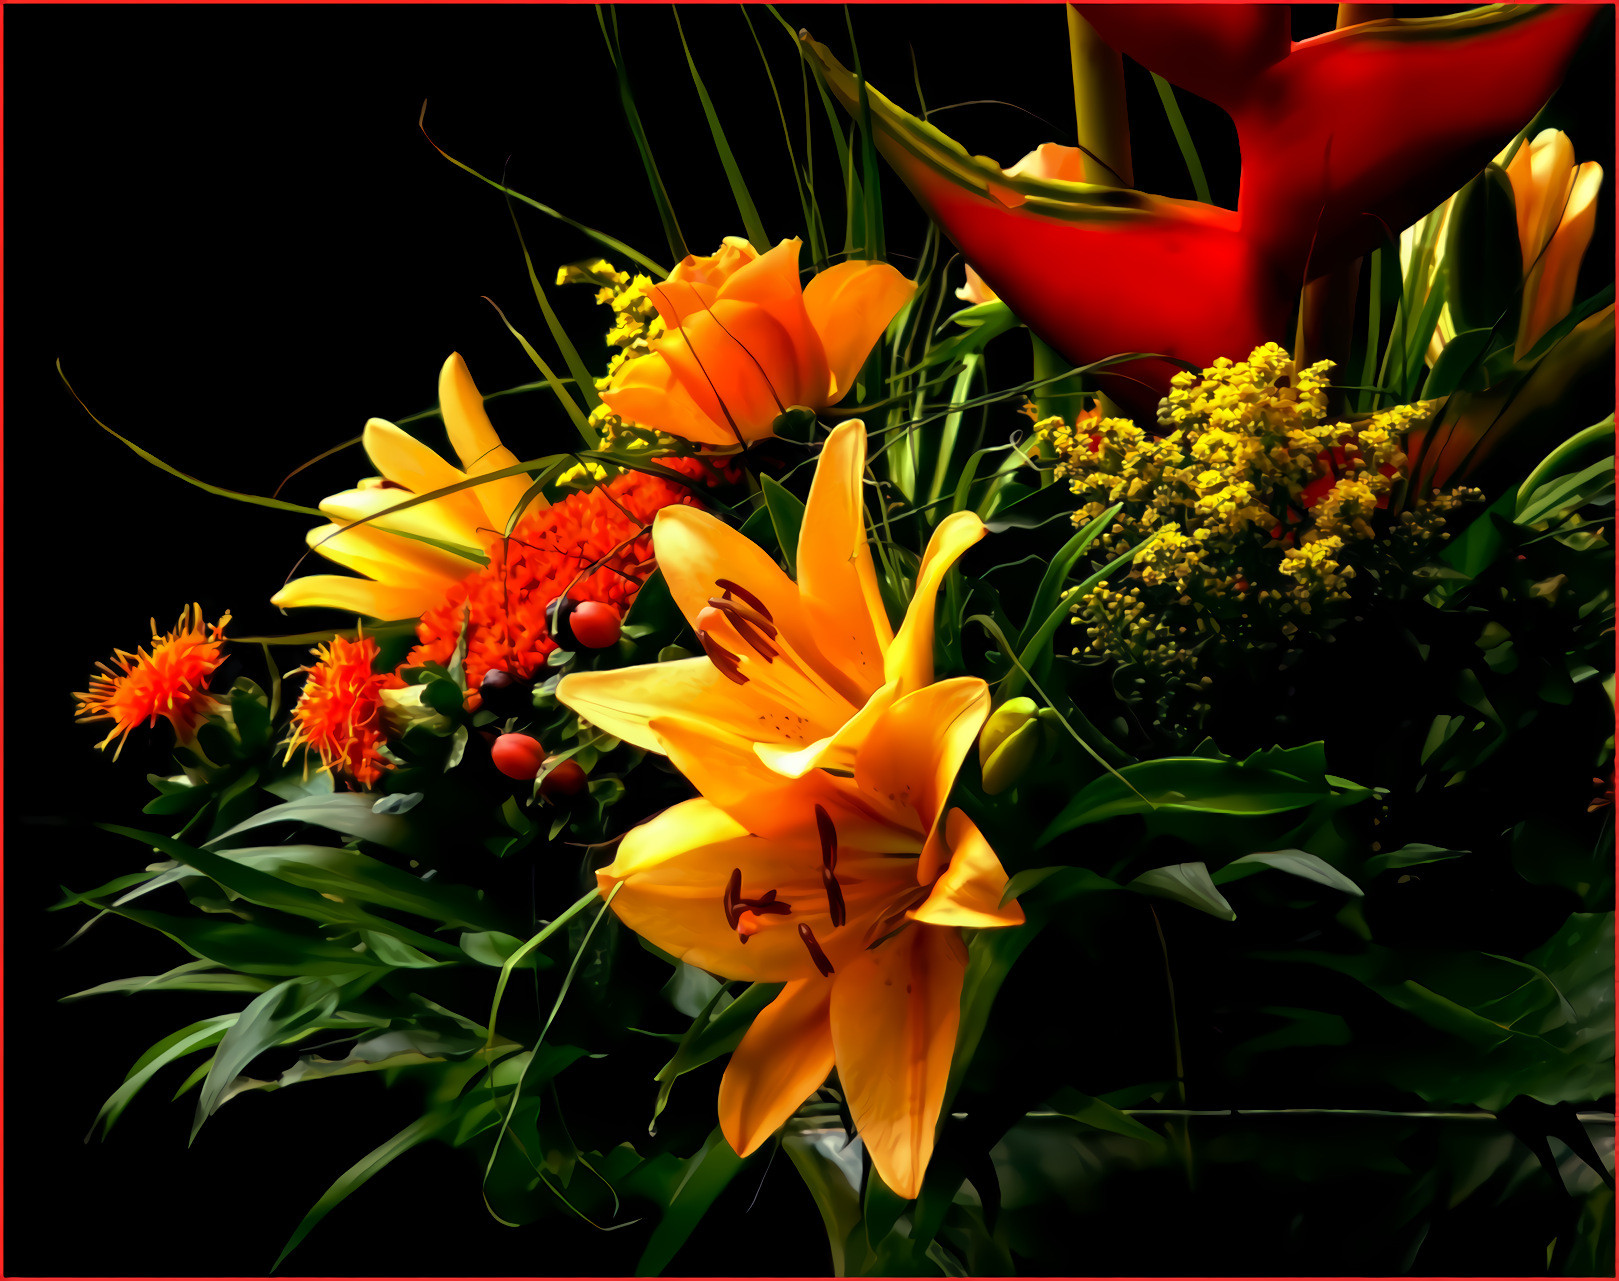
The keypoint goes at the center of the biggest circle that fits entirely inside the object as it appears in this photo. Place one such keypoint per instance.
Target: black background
(225, 224)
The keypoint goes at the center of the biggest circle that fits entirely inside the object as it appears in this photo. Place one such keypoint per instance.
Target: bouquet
(1108, 706)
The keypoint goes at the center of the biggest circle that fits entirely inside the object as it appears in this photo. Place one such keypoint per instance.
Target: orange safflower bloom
(340, 713)
(170, 681)
(739, 352)
(594, 545)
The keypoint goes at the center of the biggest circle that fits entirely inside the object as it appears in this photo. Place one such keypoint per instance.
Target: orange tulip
(742, 349)
(718, 267)
(820, 853)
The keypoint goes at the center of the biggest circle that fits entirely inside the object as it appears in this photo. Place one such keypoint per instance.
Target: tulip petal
(914, 751)
(406, 461)
(782, 1060)
(910, 658)
(770, 282)
(970, 890)
(895, 1011)
(476, 444)
(850, 305)
(356, 596)
(740, 366)
(835, 571)
(674, 869)
(646, 392)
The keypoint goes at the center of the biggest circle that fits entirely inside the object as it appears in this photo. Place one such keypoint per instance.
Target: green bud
(1008, 761)
(1000, 726)
(407, 708)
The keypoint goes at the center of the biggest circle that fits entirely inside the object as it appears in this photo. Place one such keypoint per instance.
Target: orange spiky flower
(340, 712)
(595, 545)
(170, 681)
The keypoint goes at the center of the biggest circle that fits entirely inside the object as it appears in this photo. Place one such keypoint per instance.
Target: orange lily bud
(1556, 203)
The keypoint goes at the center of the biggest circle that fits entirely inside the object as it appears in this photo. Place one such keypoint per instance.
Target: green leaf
(1409, 856)
(418, 1131)
(1566, 492)
(786, 517)
(733, 175)
(1187, 784)
(194, 1036)
(837, 1199)
(1582, 446)
(706, 1175)
(193, 976)
(1296, 862)
(491, 947)
(1049, 595)
(1183, 138)
(1186, 883)
(1075, 1106)
(350, 813)
(660, 195)
(712, 1033)
(273, 1018)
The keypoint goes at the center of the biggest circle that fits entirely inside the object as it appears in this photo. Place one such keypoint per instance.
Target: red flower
(340, 712)
(595, 545)
(170, 681)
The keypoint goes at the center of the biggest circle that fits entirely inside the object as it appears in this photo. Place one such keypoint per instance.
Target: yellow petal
(914, 751)
(356, 596)
(910, 657)
(895, 1011)
(476, 444)
(969, 893)
(1549, 293)
(674, 869)
(850, 305)
(836, 751)
(624, 702)
(782, 1060)
(406, 461)
(430, 520)
(835, 572)
(646, 392)
(388, 558)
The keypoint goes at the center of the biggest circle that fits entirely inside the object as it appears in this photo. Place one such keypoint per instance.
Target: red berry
(594, 625)
(517, 755)
(567, 779)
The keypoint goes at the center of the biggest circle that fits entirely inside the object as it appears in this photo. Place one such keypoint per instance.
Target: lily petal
(913, 753)
(850, 305)
(970, 890)
(895, 1011)
(625, 701)
(406, 461)
(835, 572)
(357, 596)
(476, 444)
(782, 1060)
(910, 658)
(674, 869)
(389, 558)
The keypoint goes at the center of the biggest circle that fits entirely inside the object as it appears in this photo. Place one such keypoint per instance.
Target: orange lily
(795, 672)
(404, 575)
(820, 853)
(743, 347)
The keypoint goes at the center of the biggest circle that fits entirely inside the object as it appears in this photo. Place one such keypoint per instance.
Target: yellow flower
(405, 576)
(1556, 204)
(736, 354)
(820, 853)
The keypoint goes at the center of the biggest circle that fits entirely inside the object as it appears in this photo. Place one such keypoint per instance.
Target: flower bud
(403, 710)
(1008, 761)
(1002, 723)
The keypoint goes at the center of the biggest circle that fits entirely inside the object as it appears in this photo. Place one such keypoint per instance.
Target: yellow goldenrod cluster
(635, 324)
(1258, 506)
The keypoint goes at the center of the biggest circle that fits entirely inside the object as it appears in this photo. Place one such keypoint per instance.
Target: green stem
(1181, 1132)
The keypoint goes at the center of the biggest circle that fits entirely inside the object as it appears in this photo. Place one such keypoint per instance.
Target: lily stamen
(723, 659)
(730, 588)
(829, 838)
(739, 616)
(816, 955)
(834, 898)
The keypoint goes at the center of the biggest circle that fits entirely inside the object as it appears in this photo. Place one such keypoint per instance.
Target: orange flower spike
(341, 712)
(170, 681)
(745, 340)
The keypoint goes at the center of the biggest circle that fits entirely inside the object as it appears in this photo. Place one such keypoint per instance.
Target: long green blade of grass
(1183, 138)
(570, 353)
(817, 249)
(568, 402)
(600, 237)
(733, 174)
(660, 195)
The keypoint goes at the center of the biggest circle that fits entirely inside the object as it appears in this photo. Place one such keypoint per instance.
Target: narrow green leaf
(1295, 862)
(660, 195)
(1183, 138)
(733, 174)
(787, 517)
(569, 405)
(1075, 1106)
(707, 1174)
(582, 378)
(195, 1036)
